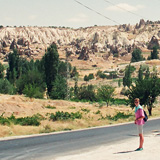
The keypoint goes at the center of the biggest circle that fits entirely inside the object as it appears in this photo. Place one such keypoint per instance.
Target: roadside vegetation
(98, 104)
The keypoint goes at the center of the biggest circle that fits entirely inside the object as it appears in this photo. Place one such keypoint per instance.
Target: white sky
(69, 13)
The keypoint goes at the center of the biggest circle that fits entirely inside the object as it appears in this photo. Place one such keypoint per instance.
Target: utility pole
(67, 74)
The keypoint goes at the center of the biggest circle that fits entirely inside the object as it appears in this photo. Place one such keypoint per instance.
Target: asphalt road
(49, 146)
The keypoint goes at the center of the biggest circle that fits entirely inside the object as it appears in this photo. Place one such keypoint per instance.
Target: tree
(127, 80)
(146, 90)
(106, 93)
(59, 88)
(140, 73)
(74, 72)
(33, 91)
(91, 76)
(86, 93)
(119, 83)
(1, 71)
(32, 78)
(6, 87)
(17, 66)
(51, 62)
(62, 68)
(76, 86)
(13, 61)
(154, 53)
(86, 78)
(136, 55)
(147, 74)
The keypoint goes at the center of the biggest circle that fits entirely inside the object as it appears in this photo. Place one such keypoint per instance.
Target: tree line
(34, 78)
(47, 75)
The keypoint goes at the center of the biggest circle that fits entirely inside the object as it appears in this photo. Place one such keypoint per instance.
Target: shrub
(119, 115)
(1, 70)
(32, 82)
(89, 77)
(87, 93)
(4, 121)
(50, 107)
(101, 75)
(6, 87)
(65, 116)
(86, 78)
(117, 101)
(30, 121)
(85, 110)
(24, 121)
(59, 88)
(32, 91)
(98, 112)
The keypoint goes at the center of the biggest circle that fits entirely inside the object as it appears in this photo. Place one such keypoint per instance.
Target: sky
(70, 13)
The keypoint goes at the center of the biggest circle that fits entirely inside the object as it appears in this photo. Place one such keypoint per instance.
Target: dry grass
(91, 114)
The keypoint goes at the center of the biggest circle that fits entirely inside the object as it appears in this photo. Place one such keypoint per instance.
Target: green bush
(119, 115)
(1, 70)
(28, 121)
(85, 110)
(4, 121)
(98, 112)
(65, 116)
(86, 78)
(59, 88)
(86, 93)
(32, 91)
(32, 84)
(89, 77)
(101, 75)
(24, 121)
(50, 107)
(117, 101)
(6, 87)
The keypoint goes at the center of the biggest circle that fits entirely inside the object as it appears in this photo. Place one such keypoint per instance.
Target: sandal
(139, 149)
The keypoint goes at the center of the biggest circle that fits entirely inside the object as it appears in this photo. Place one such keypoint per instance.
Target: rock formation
(119, 40)
(154, 42)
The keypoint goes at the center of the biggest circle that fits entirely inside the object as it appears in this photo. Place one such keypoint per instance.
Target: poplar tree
(51, 62)
(147, 74)
(140, 73)
(1, 71)
(154, 53)
(127, 80)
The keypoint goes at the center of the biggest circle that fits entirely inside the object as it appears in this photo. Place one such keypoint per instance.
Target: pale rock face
(101, 37)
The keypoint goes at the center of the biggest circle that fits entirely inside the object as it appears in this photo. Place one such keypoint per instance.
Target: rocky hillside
(116, 40)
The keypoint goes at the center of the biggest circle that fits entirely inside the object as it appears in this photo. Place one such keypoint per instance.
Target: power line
(97, 12)
(125, 9)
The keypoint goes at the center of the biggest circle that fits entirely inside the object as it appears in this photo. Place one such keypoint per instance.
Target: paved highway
(50, 146)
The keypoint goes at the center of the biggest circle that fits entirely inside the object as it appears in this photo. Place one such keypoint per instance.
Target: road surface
(50, 146)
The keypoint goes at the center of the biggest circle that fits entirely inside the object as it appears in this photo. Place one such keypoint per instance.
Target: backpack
(146, 117)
